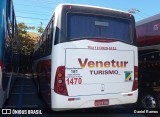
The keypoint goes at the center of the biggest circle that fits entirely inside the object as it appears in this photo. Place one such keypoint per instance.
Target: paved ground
(24, 95)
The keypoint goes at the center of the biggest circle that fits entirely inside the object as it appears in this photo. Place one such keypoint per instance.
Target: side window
(38, 53)
(49, 39)
(13, 23)
(10, 16)
(41, 51)
(51, 36)
(11, 12)
(45, 48)
(45, 42)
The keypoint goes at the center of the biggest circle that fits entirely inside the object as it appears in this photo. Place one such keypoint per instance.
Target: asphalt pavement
(24, 96)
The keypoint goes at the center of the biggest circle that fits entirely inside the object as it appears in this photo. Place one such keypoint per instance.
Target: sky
(38, 12)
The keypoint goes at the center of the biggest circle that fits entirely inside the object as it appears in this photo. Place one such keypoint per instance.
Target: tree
(40, 30)
(22, 26)
(26, 42)
(26, 46)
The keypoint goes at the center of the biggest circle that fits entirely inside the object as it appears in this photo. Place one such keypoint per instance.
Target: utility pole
(41, 24)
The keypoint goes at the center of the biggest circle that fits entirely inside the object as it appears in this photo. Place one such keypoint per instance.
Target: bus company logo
(128, 76)
(156, 27)
(102, 64)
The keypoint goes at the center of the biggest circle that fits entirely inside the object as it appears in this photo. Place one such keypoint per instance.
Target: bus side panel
(44, 79)
(3, 81)
(2, 35)
(149, 33)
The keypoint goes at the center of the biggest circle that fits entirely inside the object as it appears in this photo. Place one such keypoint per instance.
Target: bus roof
(94, 10)
(149, 19)
(60, 5)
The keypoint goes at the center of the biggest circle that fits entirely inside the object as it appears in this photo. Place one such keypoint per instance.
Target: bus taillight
(135, 83)
(68, 6)
(60, 85)
(1, 65)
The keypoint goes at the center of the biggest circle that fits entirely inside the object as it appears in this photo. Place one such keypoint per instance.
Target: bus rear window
(95, 26)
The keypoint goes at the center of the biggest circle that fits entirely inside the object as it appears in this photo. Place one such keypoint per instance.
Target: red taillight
(129, 14)
(60, 85)
(1, 64)
(130, 94)
(135, 83)
(68, 6)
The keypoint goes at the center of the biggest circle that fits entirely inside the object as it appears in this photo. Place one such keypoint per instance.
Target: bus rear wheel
(150, 100)
(38, 90)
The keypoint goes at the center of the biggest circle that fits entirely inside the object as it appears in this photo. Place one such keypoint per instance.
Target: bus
(148, 38)
(9, 49)
(87, 57)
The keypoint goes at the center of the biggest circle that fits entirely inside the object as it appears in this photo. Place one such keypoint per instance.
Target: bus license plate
(101, 102)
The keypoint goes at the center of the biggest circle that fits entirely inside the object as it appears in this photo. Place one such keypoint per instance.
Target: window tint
(94, 26)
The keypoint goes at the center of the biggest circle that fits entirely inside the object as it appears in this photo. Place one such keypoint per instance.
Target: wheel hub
(149, 102)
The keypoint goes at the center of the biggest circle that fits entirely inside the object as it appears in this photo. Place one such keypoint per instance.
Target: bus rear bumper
(60, 102)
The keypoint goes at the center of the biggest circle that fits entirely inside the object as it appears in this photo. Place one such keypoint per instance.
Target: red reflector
(68, 6)
(130, 94)
(61, 89)
(70, 99)
(135, 82)
(73, 99)
(1, 64)
(129, 14)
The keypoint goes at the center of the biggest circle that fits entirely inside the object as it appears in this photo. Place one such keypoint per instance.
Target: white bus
(87, 57)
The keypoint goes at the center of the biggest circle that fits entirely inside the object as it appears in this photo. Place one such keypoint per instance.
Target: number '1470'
(74, 81)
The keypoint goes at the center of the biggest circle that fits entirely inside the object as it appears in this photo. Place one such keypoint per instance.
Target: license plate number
(101, 102)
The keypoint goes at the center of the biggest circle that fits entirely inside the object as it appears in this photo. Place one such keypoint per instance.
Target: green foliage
(40, 30)
(26, 41)
(24, 27)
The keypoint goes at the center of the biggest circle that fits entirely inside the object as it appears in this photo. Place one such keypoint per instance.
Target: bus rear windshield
(96, 26)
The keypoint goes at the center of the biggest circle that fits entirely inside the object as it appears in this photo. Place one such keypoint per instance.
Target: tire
(38, 90)
(8, 92)
(150, 100)
(9, 87)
